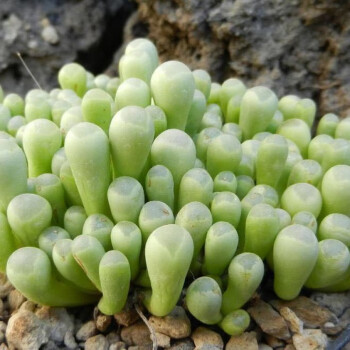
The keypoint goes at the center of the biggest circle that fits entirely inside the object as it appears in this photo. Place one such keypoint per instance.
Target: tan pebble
(295, 324)
(28, 306)
(136, 334)
(176, 325)
(312, 314)
(245, 341)
(87, 330)
(311, 339)
(273, 341)
(289, 347)
(26, 331)
(120, 345)
(127, 317)
(15, 299)
(270, 321)
(97, 342)
(162, 340)
(204, 336)
(141, 347)
(103, 322)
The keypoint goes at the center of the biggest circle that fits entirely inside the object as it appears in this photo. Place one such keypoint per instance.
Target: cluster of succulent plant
(161, 181)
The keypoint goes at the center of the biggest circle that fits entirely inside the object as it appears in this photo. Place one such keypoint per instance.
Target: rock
(15, 299)
(113, 337)
(141, 347)
(336, 302)
(118, 346)
(58, 321)
(103, 322)
(269, 320)
(289, 347)
(26, 331)
(28, 306)
(50, 346)
(245, 341)
(127, 317)
(136, 334)
(5, 285)
(49, 34)
(98, 342)
(162, 340)
(66, 36)
(295, 324)
(264, 347)
(204, 336)
(311, 339)
(330, 328)
(312, 314)
(176, 325)
(182, 345)
(87, 330)
(273, 341)
(3, 326)
(69, 340)
(301, 50)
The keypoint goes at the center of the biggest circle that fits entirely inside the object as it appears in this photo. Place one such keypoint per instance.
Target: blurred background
(297, 47)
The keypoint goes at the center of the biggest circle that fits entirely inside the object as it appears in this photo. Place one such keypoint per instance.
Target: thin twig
(153, 333)
(28, 70)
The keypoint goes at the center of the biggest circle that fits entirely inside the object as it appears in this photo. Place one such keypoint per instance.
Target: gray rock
(86, 331)
(113, 337)
(50, 346)
(69, 340)
(49, 34)
(58, 321)
(85, 31)
(294, 47)
(25, 331)
(336, 302)
(98, 342)
(185, 344)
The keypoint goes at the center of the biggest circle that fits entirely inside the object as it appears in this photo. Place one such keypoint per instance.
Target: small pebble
(28, 306)
(87, 330)
(204, 336)
(162, 340)
(15, 299)
(136, 334)
(176, 325)
(98, 342)
(50, 35)
(120, 345)
(103, 322)
(69, 340)
(113, 337)
(185, 344)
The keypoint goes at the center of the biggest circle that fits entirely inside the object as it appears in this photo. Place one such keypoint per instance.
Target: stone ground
(306, 323)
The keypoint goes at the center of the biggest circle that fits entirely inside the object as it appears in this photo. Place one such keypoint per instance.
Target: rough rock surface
(297, 46)
(51, 33)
